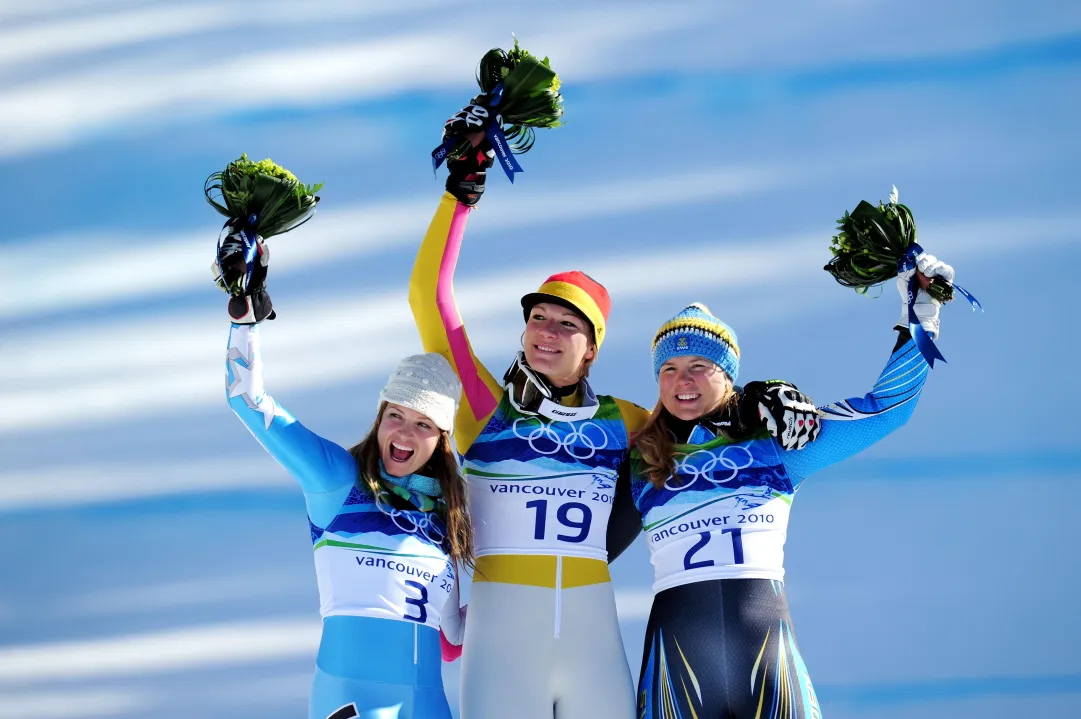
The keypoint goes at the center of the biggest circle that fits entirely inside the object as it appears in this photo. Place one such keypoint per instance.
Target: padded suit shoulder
(634, 416)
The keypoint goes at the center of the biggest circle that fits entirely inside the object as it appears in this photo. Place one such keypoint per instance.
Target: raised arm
(852, 425)
(431, 297)
(325, 471)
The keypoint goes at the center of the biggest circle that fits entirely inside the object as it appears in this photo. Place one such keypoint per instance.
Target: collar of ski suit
(580, 403)
(694, 431)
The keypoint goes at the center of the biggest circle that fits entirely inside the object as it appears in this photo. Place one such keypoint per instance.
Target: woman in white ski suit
(541, 452)
(542, 639)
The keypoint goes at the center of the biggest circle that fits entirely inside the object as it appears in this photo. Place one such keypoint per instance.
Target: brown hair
(442, 466)
(583, 372)
(655, 442)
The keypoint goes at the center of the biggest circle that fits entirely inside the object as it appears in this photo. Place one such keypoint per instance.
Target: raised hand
(249, 302)
(469, 172)
(925, 306)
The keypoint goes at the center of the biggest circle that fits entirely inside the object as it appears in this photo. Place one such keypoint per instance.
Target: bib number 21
(572, 515)
(703, 539)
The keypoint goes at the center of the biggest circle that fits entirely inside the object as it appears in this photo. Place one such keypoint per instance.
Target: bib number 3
(418, 602)
(580, 519)
(703, 539)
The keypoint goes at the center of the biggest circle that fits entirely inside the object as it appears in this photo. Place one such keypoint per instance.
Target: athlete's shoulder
(634, 416)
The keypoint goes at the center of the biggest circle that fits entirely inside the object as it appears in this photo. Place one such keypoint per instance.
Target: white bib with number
(723, 515)
(718, 541)
(558, 514)
(405, 580)
(545, 486)
(374, 560)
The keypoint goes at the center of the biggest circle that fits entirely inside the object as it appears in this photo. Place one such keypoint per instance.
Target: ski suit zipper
(559, 593)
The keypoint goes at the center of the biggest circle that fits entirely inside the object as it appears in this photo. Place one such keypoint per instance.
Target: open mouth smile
(401, 452)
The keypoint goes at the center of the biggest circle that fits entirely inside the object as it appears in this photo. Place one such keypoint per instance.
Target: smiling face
(406, 440)
(557, 343)
(692, 387)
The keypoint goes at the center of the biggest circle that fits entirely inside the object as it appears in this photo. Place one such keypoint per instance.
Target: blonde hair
(443, 467)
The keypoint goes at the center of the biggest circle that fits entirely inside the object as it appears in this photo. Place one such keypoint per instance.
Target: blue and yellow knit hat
(696, 332)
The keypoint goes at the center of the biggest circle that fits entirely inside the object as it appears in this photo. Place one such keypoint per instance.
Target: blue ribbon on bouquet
(923, 340)
(495, 136)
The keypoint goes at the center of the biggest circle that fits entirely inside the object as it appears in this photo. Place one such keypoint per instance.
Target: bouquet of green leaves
(524, 93)
(261, 196)
(260, 199)
(871, 243)
(531, 96)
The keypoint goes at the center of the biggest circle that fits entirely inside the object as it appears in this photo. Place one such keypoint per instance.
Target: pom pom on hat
(425, 383)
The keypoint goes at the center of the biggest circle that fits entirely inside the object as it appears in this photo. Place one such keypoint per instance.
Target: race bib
(543, 485)
(719, 540)
(722, 514)
(373, 575)
(565, 513)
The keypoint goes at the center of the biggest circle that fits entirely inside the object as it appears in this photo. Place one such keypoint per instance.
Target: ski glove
(468, 173)
(925, 307)
(474, 117)
(249, 304)
(785, 412)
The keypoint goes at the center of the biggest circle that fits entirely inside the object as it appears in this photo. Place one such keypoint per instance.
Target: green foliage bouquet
(523, 91)
(531, 96)
(261, 196)
(260, 200)
(871, 244)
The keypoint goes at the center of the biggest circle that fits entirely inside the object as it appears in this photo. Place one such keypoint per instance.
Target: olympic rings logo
(423, 525)
(544, 439)
(730, 466)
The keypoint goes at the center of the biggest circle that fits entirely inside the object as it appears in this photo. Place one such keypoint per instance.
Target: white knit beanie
(427, 384)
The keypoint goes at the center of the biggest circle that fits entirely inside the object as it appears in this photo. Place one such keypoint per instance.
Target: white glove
(926, 307)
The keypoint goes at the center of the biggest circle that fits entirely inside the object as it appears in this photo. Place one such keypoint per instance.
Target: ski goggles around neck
(526, 389)
(530, 393)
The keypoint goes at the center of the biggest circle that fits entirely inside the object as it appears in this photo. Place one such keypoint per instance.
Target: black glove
(737, 420)
(249, 303)
(468, 173)
(788, 414)
(474, 117)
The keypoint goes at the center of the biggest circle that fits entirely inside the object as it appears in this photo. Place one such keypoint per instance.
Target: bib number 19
(583, 515)
(703, 539)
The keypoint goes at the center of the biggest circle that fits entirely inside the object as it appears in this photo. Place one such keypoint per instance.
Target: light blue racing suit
(386, 584)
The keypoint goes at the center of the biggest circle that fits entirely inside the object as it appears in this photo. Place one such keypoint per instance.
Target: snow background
(156, 561)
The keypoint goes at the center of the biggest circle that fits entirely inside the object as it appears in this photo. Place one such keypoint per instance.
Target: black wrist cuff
(903, 336)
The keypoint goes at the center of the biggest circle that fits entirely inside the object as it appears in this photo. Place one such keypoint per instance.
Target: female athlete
(714, 504)
(388, 521)
(541, 452)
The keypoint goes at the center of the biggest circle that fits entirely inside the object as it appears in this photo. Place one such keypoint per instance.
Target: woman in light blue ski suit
(388, 525)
